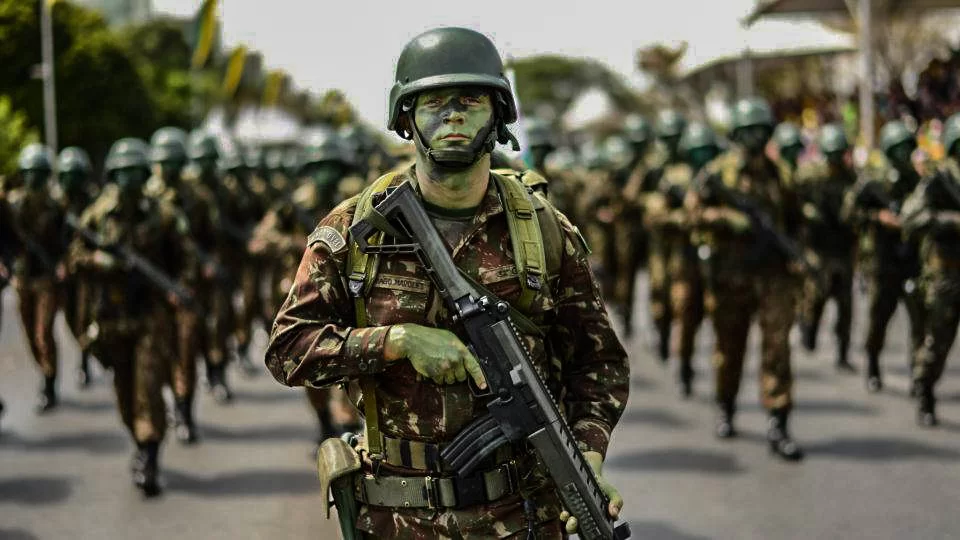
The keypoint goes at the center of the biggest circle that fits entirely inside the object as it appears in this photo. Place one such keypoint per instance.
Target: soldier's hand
(209, 271)
(616, 501)
(434, 353)
(104, 260)
(888, 219)
(61, 272)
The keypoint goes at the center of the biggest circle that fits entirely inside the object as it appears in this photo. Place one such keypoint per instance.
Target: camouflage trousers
(733, 304)
(501, 519)
(660, 303)
(630, 256)
(885, 290)
(38, 308)
(686, 306)
(251, 305)
(603, 257)
(183, 365)
(942, 303)
(200, 335)
(76, 307)
(140, 360)
(835, 281)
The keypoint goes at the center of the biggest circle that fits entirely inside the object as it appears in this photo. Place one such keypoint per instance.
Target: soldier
(131, 319)
(36, 221)
(745, 277)
(889, 265)
(667, 218)
(453, 101)
(828, 240)
(76, 192)
(668, 129)
(789, 144)
(208, 231)
(258, 269)
(276, 172)
(597, 211)
(560, 167)
(931, 216)
(282, 235)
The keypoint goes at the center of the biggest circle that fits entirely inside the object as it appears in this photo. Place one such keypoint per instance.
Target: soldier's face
(35, 180)
(453, 117)
(168, 170)
(130, 180)
(791, 153)
(672, 144)
(206, 166)
(72, 181)
(753, 138)
(698, 157)
(901, 154)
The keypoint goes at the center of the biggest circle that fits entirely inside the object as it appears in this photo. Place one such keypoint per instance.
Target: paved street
(870, 472)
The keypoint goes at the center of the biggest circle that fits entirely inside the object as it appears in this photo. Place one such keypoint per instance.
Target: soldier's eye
(470, 100)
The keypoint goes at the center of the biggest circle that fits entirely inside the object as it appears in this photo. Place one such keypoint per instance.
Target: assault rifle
(520, 408)
(157, 277)
(766, 233)
(942, 193)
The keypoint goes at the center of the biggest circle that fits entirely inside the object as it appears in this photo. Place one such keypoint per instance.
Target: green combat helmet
(446, 57)
(698, 145)
(232, 158)
(592, 157)
(35, 165)
(292, 161)
(273, 161)
(897, 143)
(73, 168)
(951, 134)
(637, 130)
(540, 141)
(326, 145)
(127, 165)
(169, 144)
(203, 152)
(617, 153)
(787, 135)
(833, 140)
(670, 123)
(752, 124)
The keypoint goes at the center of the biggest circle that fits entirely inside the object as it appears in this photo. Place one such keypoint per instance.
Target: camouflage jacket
(932, 220)
(881, 249)
(314, 340)
(822, 190)
(35, 232)
(731, 236)
(195, 202)
(153, 229)
(667, 219)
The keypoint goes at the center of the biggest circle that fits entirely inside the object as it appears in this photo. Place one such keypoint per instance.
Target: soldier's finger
(564, 516)
(459, 372)
(616, 503)
(572, 525)
(473, 368)
(449, 377)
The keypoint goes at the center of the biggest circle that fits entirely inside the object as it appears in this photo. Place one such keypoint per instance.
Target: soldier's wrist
(393, 346)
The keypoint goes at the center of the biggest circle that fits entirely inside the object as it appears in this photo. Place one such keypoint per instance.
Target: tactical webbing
(430, 492)
(359, 282)
(525, 236)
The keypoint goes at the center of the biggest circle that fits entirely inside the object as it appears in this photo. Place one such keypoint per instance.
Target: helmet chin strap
(456, 159)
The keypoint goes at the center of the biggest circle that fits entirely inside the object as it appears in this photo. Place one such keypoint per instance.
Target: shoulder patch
(329, 237)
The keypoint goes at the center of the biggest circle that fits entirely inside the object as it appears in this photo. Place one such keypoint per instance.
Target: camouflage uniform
(597, 211)
(746, 281)
(889, 265)
(932, 217)
(37, 223)
(316, 341)
(76, 192)
(830, 241)
(132, 323)
(258, 270)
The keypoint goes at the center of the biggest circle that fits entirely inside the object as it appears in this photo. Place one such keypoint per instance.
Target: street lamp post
(867, 115)
(47, 71)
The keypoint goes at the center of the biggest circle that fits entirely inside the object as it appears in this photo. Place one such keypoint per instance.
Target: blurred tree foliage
(101, 96)
(14, 134)
(549, 85)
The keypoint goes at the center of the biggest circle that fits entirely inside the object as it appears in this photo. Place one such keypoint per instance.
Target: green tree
(14, 135)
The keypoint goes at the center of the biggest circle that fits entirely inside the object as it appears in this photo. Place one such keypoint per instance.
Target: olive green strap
(429, 492)
(525, 236)
(362, 268)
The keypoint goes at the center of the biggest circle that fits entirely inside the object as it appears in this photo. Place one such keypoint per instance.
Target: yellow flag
(273, 89)
(205, 32)
(234, 74)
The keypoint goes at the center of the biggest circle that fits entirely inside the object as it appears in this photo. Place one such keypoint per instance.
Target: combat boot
(843, 362)
(184, 427)
(247, 367)
(779, 438)
(664, 349)
(724, 428)
(874, 382)
(47, 401)
(686, 380)
(146, 468)
(808, 336)
(217, 378)
(1, 409)
(83, 371)
(926, 407)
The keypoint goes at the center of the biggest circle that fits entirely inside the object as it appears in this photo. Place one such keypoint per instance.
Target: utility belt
(425, 456)
(444, 492)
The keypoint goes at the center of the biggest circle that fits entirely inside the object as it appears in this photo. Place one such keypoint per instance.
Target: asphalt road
(869, 473)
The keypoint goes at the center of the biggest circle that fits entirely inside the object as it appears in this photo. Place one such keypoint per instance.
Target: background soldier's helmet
(560, 160)
(273, 160)
(446, 57)
(232, 157)
(951, 133)
(35, 157)
(74, 159)
(168, 144)
(253, 155)
(637, 129)
(832, 139)
(126, 153)
(697, 135)
(895, 133)
(202, 145)
(751, 112)
(617, 152)
(787, 135)
(357, 139)
(292, 161)
(539, 133)
(592, 156)
(325, 144)
(670, 123)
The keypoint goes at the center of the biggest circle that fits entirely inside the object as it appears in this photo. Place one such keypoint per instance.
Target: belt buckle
(432, 498)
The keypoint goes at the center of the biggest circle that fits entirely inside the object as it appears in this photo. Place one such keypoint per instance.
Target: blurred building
(121, 12)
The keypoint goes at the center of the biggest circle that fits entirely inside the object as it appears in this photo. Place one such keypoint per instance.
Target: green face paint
(901, 154)
(754, 138)
(699, 157)
(130, 180)
(453, 117)
(35, 179)
(72, 181)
